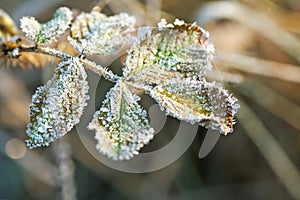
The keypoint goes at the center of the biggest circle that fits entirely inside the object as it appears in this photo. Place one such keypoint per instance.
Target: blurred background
(258, 56)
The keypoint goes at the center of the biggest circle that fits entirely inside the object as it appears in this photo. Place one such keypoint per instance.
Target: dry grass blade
(7, 25)
(145, 13)
(287, 18)
(272, 101)
(129, 6)
(258, 66)
(26, 61)
(253, 19)
(279, 161)
(153, 11)
(14, 108)
(224, 76)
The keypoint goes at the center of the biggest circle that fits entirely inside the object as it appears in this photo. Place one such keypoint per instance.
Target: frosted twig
(107, 74)
(66, 170)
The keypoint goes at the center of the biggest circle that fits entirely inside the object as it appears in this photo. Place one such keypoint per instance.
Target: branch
(106, 73)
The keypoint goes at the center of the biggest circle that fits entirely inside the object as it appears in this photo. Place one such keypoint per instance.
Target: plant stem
(53, 52)
(65, 175)
(106, 73)
(139, 87)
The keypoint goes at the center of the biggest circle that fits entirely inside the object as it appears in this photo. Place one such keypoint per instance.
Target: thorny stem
(106, 73)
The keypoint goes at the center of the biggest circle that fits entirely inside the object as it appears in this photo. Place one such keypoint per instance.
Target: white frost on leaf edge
(57, 106)
(47, 32)
(96, 33)
(121, 126)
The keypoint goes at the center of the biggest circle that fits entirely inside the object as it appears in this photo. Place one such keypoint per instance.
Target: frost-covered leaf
(57, 106)
(171, 51)
(197, 101)
(169, 63)
(95, 33)
(121, 125)
(49, 31)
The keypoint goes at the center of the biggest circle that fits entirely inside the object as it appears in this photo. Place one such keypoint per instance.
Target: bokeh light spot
(15, 148)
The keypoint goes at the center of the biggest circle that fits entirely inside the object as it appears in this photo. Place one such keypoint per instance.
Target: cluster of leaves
(167, 62)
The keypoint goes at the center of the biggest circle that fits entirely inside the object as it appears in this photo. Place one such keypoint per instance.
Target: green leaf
(197, 101)
(95, 33)
(57, 107)
(171, 51)
(121, 125)
(49, 31)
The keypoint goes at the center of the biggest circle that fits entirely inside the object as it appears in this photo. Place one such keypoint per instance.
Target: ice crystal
(57, 106)
(197, 101)
(95, 33)
(121, 125)
(173, 51)
(47, 32)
